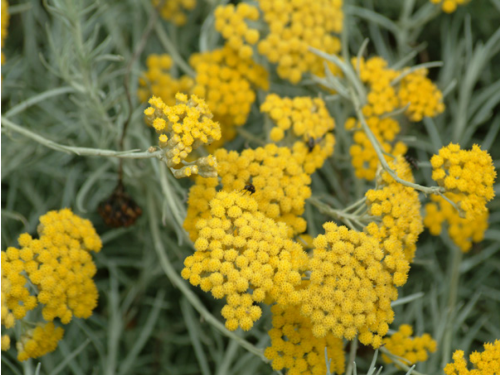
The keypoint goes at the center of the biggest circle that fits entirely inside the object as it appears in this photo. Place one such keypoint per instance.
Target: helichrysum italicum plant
(272, 119)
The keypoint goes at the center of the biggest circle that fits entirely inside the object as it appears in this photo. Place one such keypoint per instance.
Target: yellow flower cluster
(5, 24)
(400, 223)
(350, 292)
(227, 82)
(449, 6)
(240, 250)
(39, 341)
(295, 25)
(188, 125)
(412, 349)
(364, 158)
(470, 174)
(230, 22)
(294, 347)
(384, 96)
(422, 97)
(173, 10)
(309, 123)
(462, 230)
(281, 186)
(60, 268)
(157, 80)
(485, 363)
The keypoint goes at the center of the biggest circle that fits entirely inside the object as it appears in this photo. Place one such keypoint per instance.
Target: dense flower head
(305, 120)
(350, 291)
(421, 95)
(227, 83)
(294, 25)
(463, 231)
(5, 24)
(471, 174)
(157, 80)
(174, 10)
(364, 157)
(58, 268)
(16, 298)
(449, 6)
(374, 73)
(414, 349)
(61, 267)
(281, 186)
(230, 22)
(485, 363)
(183, 128)
(397, 208)
(244, 256)
(294, 347)
(39, 341)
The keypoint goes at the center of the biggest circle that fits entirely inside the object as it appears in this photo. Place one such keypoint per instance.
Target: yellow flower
(183, 128)
(294, 26)
(400, 221)
(62, 267)
(294, 347)
(281, 186)
(240, 250)
(412, 349)
(470, 174)
(421, 96)
(485, 363)
(157, 81)
(5, 24)
(462, 230)
(308, 122)
(173, 10)
(39, 341)
(449, 6)
(230, 22)
(350, 291)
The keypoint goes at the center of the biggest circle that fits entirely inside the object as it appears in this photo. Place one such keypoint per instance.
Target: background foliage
(71, 76)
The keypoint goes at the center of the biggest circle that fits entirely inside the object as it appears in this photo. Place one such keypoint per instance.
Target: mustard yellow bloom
(421, 96)
(414, 349)
(230, 22)
(227, 82)
(350, 291)
(399, 223)
(463, 231)
(449, 6)
(174, 10)
(294, 26)
(471, 174)
(281, 186)
(294, 347)
(305, 120)
(157, 80)
(183, 128)
(364, 158)
(240, 249)
(39, 341)
(5, 24)
(60, 265)
(485, 363)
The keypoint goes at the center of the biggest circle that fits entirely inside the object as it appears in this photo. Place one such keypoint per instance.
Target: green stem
(352, 356)
(452, 302)
(82, 151)
(397, 361)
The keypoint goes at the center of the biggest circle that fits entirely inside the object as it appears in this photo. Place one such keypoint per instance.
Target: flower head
(39, 341)
(183, 128)
(414, 349)
(173, 10)
(485, 363)
(244, 256)
(294, 347)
